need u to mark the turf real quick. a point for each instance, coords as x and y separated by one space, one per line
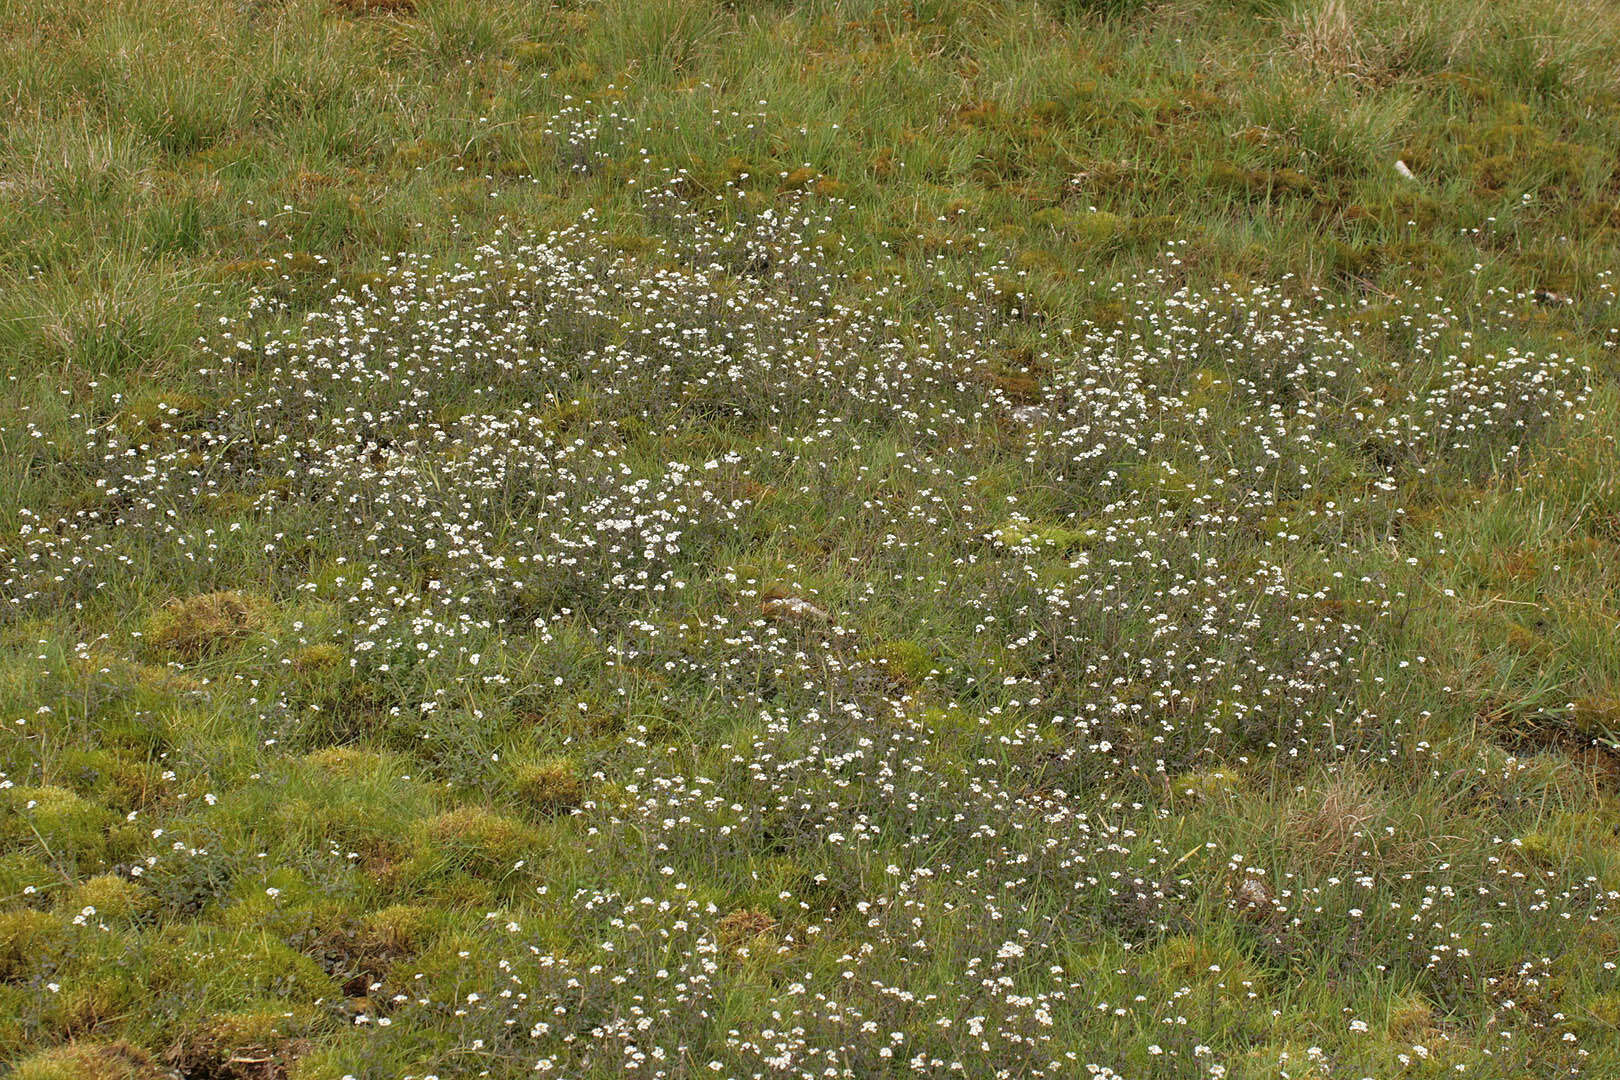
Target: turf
850 538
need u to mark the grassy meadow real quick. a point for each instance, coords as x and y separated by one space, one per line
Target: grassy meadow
809 538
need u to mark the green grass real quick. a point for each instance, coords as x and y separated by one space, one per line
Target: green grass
1088 612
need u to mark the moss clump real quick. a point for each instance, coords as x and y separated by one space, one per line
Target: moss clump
1565 838
1206 786
1037 260
906 663
1093 229
359 282
110 896
1597 717
245 270
317 659
798 177
1411 1019
90 1061
552 786
1176 486
196 626
375 7
1062 539
66 825
1019 388
26 938
348 761
117 781
1524 639
1260 183
1198 960
479 837
157 412
1604 1009
20 870
396 930
1209 389
743 928
210 968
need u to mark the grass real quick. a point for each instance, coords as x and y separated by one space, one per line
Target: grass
837 538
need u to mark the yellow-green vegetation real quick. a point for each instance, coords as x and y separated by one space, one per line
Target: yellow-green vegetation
550 786
90 1061
788 538
477 837
196 625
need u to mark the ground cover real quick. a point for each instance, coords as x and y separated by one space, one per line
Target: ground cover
820 539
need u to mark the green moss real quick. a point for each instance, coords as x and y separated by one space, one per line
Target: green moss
744 930
1198 960
20 871
1354 261
1260 183
113 779
1596 717
1209 389
478 837
906 663
1178 488
212 970
113 898
322 658
1566 839
400 929
1604 1011
1041 261
1057 539
29 938
90 1061
1411 1019
55 821
551 786
350 761
1106 313
154 412
356 799
194 627
1198 787
1521 637
249 270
